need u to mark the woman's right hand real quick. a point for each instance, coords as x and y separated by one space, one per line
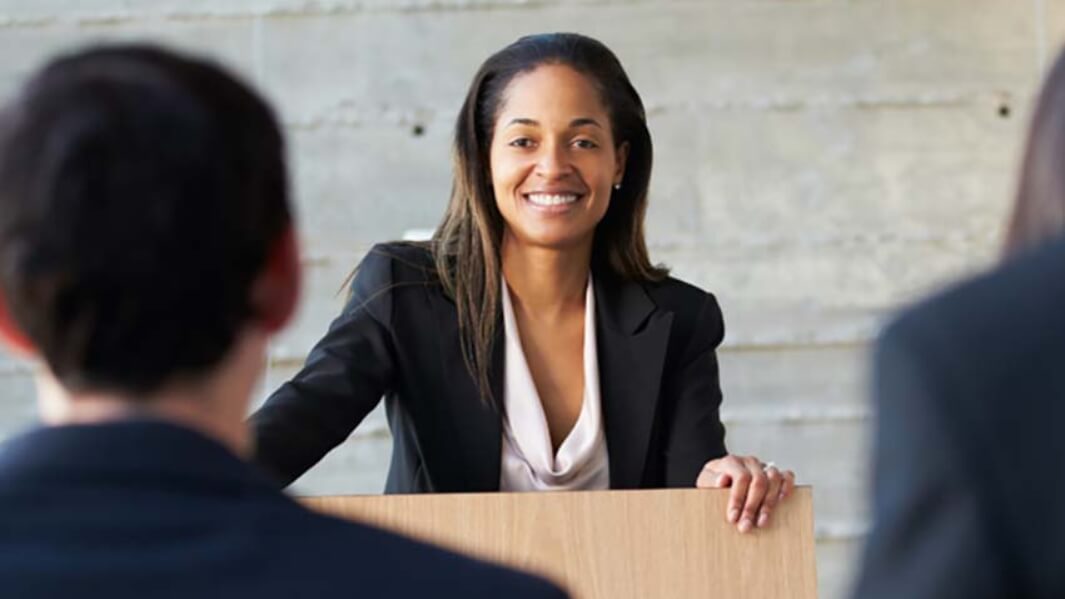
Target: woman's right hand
756 488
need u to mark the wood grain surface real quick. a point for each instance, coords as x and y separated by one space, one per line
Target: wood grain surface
611 544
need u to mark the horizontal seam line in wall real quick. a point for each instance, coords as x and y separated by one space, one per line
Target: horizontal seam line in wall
797 416
356 119
308 9
841 531
296 10
775 346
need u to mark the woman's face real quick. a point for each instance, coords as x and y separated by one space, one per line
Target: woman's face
553 158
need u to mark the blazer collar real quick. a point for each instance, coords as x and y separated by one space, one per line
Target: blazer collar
622 304
633 335
133 453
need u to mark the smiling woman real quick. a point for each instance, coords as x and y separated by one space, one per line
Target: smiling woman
532 344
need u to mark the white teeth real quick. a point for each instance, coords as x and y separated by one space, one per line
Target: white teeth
551 199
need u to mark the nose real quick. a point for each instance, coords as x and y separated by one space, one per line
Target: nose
553 161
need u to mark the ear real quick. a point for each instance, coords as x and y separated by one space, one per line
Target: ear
621 157
276 290
12 335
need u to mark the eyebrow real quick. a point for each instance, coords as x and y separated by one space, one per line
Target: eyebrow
578 122
581 122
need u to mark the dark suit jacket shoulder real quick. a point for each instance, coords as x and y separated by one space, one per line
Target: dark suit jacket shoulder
398 338
391 272
968 390
147 509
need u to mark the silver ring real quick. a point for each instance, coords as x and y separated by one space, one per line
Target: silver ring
766 466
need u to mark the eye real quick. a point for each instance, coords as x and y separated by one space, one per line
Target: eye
521 142
585 144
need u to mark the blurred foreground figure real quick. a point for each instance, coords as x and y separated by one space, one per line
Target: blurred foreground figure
970 391
146 256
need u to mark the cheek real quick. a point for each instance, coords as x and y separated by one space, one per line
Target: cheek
505 173
601 176
599 167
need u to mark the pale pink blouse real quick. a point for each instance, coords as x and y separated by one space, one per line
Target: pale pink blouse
528 462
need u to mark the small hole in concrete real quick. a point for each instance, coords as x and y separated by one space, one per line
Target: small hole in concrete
418 130
1004 111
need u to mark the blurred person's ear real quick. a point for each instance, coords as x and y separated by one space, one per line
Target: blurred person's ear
11 335
276 291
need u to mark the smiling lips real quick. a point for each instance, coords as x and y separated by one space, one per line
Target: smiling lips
552 200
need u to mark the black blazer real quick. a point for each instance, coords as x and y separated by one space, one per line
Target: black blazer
970 454
147 509
398 337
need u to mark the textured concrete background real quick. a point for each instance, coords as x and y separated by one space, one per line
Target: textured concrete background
818 163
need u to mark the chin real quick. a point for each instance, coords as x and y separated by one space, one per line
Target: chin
557 240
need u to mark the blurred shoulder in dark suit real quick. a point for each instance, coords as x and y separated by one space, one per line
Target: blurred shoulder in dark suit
969 389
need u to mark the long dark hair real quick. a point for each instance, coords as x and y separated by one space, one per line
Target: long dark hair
466 245
1039 209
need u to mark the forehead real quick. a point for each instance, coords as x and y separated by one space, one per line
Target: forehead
551 92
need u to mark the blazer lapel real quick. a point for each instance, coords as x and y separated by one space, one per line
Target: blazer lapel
632 340
473 438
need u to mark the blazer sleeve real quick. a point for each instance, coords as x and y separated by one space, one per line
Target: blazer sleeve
695 434
928 538
345 375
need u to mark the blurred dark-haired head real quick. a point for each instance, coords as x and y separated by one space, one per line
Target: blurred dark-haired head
1039 210
141 193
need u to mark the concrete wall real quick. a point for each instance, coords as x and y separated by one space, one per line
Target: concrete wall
818 163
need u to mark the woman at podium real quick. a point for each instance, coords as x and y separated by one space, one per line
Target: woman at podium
531 344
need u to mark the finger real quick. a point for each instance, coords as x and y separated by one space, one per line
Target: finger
755 494
772 495
711 478
788 485
739 478
738 496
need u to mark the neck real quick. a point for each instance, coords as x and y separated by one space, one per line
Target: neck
214 404
546 280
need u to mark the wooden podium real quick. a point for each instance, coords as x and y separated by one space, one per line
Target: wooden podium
611 544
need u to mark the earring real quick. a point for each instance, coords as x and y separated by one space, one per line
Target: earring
617 186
